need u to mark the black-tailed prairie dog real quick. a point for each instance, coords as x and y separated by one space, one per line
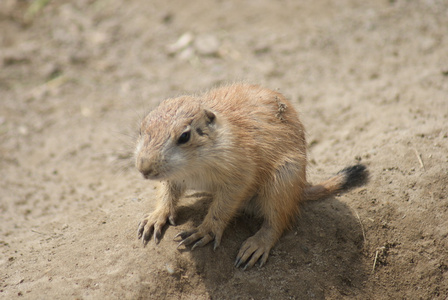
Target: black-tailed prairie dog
245 145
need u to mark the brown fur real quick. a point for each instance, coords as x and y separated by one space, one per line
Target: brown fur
246 146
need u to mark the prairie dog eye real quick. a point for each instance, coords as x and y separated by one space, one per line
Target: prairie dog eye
184 137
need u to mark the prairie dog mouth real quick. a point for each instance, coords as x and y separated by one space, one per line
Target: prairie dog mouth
151 176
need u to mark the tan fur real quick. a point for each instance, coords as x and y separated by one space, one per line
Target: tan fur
247 147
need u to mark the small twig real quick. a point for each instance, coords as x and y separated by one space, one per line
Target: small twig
32 230
374 261
362 227
51 235
419 157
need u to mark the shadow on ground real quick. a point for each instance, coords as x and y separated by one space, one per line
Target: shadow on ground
320 257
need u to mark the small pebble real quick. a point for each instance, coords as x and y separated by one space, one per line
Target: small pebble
207 44
23 130
170 268
183 42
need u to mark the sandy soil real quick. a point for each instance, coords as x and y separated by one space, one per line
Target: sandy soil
370 79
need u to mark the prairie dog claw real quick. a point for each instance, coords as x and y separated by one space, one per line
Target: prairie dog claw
152 224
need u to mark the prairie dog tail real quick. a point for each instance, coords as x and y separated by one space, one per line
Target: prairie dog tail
345 179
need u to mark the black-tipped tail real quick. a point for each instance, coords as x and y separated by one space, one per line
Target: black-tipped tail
354 176
344 180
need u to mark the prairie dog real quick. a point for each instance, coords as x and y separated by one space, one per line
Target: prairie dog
246 146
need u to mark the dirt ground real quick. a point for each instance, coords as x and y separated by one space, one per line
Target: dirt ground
370 79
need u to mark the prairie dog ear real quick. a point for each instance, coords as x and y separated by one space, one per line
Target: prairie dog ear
210 116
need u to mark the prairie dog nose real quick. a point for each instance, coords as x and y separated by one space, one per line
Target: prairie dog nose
144 166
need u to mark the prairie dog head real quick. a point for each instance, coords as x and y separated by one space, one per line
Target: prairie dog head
173 137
